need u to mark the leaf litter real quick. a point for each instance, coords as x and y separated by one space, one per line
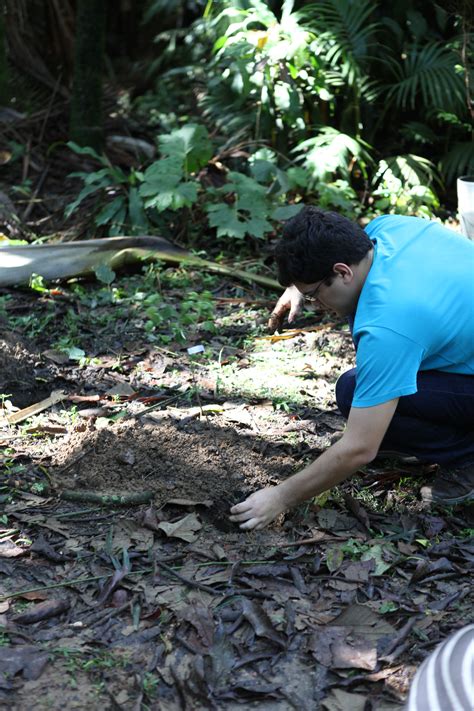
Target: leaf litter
166 605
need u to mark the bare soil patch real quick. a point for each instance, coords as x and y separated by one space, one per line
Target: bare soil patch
167 605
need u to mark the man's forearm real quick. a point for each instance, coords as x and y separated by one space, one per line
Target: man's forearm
359 445
332 467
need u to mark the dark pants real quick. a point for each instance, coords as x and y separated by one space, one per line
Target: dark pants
436 424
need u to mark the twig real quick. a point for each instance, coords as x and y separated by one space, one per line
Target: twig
64 584
74 461
157 405
55 397
293 332
399 638
32 199
49 108
308 541
71 514
93 497
187 581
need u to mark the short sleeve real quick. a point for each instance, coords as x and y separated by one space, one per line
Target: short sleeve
387 366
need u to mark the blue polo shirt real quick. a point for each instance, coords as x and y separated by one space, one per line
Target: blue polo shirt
416 308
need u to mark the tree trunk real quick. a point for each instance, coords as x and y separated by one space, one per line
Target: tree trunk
3 57
86 109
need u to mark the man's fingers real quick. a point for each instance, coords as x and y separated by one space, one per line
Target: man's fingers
275 322
252 523
241 508
294 312
241 517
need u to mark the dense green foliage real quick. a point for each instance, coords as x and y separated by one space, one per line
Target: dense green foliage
3 57
357 106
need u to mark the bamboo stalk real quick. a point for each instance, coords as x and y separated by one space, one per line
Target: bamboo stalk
93 497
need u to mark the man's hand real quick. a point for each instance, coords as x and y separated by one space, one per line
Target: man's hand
259 509
359 444
291 300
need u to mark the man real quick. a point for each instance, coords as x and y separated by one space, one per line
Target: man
408 285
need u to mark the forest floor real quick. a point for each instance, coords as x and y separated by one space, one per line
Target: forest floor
116 604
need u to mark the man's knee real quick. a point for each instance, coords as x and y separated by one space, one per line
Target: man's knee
345 387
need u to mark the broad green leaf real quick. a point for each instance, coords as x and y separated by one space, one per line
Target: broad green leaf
175 197
104 274
117 225
376 553
136 211
263 170
331 151
231 222
190 143
334 558
110 210
86 150
164 188
74 353
226 219
284 212
87 190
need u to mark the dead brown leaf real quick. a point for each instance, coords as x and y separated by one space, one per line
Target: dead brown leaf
185 528
8 549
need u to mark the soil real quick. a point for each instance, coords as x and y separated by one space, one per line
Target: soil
200 462
167 605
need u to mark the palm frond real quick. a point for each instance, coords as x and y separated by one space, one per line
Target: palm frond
331 152
429 73
418 132
411 170
459 161
344 24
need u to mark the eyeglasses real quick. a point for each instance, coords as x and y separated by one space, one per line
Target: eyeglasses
312 296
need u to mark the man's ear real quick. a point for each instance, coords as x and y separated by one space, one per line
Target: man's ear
344 271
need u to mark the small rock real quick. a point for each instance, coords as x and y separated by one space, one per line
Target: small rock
126 457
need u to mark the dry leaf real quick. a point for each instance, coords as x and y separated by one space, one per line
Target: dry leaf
8 549
185 528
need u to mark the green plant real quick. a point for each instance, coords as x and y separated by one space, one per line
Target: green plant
332 154
429 74
150 684
339 195
243 210
169 182
263 66
118 203
403 186
37 284
347 40
168 322
354 548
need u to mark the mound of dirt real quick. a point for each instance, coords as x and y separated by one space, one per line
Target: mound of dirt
204 462
19 371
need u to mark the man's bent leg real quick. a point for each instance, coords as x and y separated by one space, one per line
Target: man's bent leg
436 424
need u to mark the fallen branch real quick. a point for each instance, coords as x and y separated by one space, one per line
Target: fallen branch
55 397
93 497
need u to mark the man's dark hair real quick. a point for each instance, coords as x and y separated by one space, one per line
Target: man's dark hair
313 241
